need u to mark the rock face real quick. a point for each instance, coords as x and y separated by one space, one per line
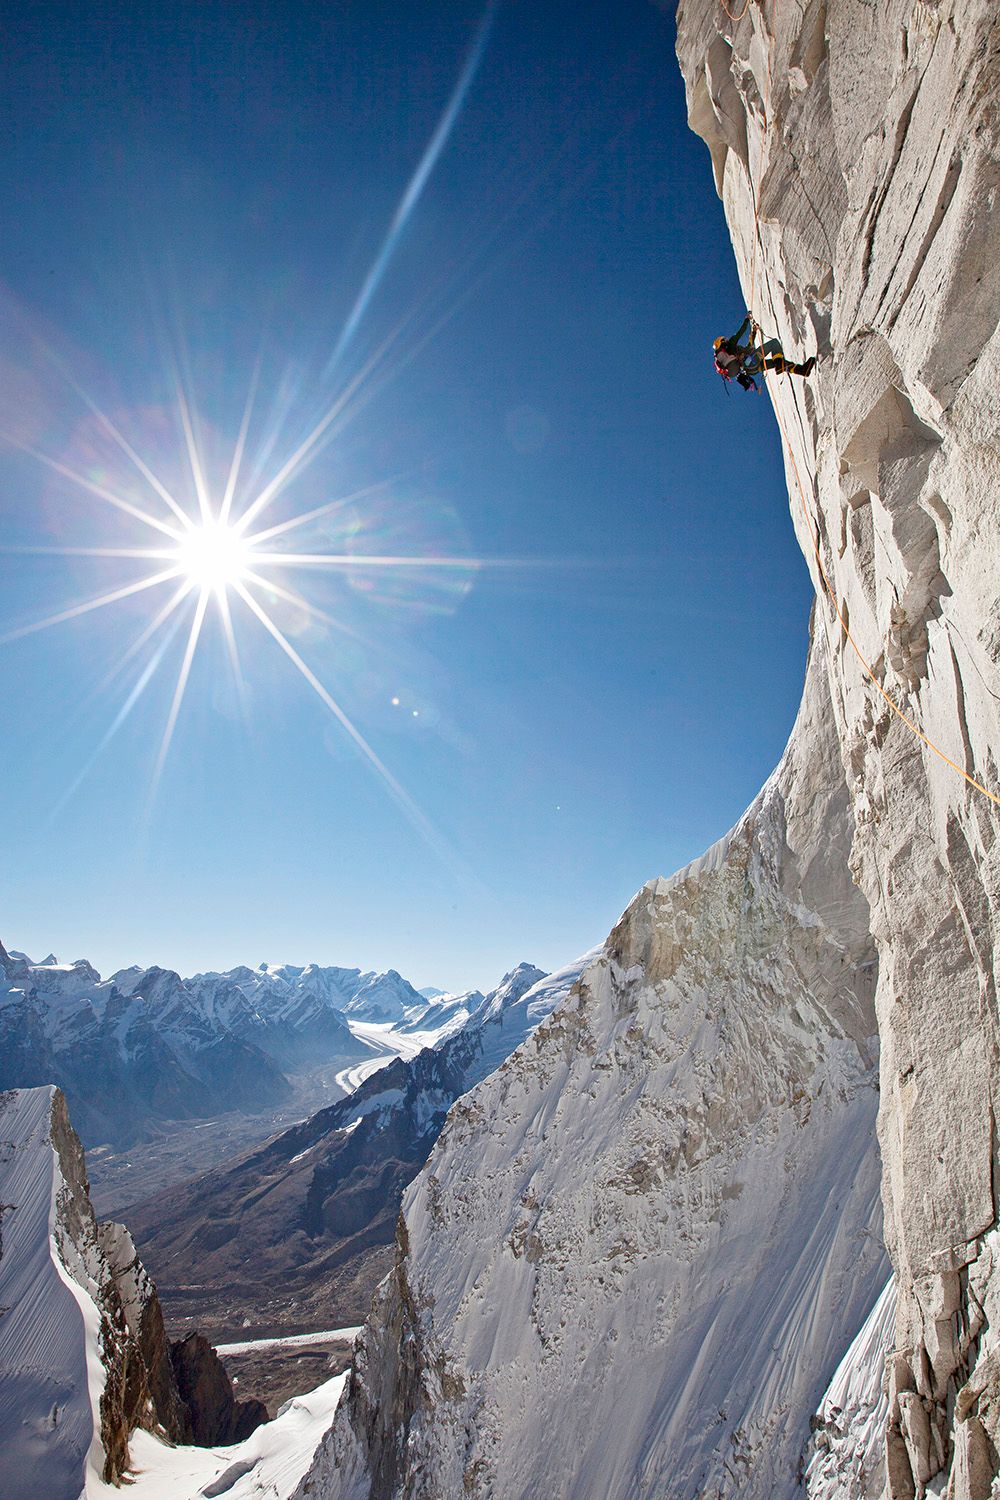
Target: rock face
855 146
297 1235
207 1392
869 135
640 1248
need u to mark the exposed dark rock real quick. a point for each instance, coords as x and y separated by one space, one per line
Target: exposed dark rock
215 1416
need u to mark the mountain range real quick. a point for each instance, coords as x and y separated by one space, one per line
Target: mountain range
146 1048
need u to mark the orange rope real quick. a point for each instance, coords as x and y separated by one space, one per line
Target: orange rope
869 671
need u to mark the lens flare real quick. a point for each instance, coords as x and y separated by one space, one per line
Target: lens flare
189 506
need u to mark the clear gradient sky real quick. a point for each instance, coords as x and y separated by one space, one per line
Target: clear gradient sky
191 189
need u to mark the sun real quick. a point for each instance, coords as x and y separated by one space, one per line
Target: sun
214 556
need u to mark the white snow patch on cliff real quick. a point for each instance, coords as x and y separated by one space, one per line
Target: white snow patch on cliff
848 1461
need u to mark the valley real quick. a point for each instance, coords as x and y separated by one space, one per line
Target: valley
181 1149
295 1235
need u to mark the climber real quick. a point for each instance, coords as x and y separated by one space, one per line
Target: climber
741 362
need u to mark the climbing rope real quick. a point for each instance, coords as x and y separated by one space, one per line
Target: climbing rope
810 525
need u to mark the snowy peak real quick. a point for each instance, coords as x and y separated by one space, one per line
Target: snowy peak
298 994
384 997
129 1050
278 991
444 1014
510 990
148 1045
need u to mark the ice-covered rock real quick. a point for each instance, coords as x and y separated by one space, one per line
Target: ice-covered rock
640 1248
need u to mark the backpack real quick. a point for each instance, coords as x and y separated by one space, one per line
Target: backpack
726 362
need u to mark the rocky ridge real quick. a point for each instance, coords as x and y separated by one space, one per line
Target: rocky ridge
85 1357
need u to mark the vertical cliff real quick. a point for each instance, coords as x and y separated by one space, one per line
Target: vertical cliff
855 148
642 1249
118 1321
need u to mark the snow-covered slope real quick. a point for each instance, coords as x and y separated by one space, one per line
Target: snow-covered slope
444 1014
265 1466
51 1380
509 1014
848 1457
84 1357
653 1231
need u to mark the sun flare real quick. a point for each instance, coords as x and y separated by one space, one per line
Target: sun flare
214 556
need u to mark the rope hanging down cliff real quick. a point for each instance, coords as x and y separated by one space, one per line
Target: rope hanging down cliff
813 527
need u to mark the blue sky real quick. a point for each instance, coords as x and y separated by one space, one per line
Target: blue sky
194 189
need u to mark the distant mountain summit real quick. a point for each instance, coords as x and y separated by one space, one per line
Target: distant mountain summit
385 998
129 1050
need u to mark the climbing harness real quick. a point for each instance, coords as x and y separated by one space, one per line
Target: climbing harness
811 528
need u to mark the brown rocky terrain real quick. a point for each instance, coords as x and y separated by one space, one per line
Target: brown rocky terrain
276 1372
